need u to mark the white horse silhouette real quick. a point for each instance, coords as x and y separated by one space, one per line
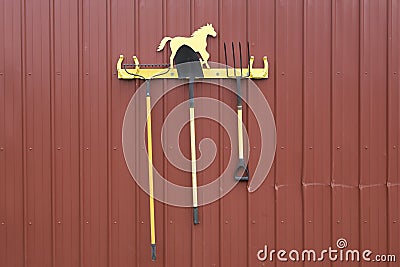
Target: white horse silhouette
197 41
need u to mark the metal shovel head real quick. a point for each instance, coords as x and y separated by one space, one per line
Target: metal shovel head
188 63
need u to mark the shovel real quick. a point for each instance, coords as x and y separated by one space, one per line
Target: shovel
189 67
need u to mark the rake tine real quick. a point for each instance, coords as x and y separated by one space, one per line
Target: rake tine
240 53
248 55
226 60
234 60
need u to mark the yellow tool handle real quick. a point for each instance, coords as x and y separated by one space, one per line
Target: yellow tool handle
150 166
240 132
193 157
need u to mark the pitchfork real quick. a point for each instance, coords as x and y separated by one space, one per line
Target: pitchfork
241 172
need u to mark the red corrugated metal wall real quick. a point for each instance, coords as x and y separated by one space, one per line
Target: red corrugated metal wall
67 198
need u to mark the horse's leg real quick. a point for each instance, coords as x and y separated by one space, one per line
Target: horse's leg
173 53
202 61
171 58
205 56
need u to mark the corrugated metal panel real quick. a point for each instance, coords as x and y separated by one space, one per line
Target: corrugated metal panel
11 145
345 123
289 121
67 198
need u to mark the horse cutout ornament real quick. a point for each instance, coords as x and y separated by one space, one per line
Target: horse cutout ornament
197 42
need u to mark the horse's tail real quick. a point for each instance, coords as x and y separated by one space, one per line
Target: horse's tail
163 42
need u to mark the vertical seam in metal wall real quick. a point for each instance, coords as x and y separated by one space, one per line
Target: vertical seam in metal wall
192 14
165 164
137 189
220 132
109 124
275 120
388 16
80 125
361 49
24 156
332 71
52 132
192 226
303 115
360 34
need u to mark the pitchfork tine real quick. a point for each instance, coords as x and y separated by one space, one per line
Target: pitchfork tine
240 53
226 60
248 55
234 60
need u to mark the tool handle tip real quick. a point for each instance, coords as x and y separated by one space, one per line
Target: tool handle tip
196 215
153 252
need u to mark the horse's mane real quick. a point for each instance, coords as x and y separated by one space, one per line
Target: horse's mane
198 31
